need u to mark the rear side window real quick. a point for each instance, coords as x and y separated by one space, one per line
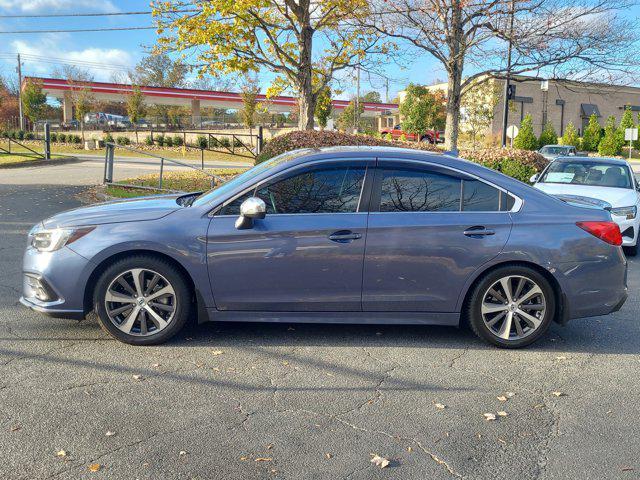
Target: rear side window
418 191
477 196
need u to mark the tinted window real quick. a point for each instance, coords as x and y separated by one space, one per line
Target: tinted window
334 190
418 191
479 197
233 207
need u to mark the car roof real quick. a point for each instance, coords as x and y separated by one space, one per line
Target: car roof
605 160
559 146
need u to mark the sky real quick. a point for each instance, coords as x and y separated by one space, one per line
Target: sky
104 53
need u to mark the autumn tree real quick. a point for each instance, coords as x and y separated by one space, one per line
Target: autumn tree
33 100
324 107
348 119
82 100
9 108
135 107
422 110
579 39
249 94
302 42
478 106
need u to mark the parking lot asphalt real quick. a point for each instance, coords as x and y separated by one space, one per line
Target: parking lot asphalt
245 401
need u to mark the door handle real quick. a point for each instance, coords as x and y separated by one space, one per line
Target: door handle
478 231
344 236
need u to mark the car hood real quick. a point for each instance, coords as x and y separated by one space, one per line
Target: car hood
133 210
616 197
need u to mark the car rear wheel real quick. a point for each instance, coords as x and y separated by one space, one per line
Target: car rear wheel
142 300
632 250
511 307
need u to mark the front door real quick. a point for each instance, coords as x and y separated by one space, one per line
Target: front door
429 230
305 255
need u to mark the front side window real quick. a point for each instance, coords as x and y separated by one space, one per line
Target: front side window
418 191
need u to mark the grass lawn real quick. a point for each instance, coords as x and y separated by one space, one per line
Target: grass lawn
11 160
177 154
191 181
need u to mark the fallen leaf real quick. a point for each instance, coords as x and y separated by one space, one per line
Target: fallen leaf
182 453
510 394
263 459
558 394
137 377
15 428
95 467
627 469
409 449
110 433
61 453
502 413
561 357
328 455
379 461
244 459
270 446
502 398
440 406
502 441
155 365
217 352
489 416
291 329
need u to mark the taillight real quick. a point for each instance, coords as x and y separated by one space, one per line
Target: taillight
606 231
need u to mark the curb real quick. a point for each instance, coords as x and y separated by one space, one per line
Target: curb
42 163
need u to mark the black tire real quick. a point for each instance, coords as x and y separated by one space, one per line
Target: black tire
474 306
632 250
182 299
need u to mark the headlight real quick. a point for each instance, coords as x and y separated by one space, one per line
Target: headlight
629 212
49 240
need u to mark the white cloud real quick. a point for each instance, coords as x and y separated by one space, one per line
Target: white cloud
49 49
44 6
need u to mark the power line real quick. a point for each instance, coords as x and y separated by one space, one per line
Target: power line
77 30
105 14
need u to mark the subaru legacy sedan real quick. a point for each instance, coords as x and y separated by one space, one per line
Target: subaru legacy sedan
337 235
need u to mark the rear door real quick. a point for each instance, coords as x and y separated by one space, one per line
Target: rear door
429 229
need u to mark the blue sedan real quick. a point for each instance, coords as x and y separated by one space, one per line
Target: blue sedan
338 235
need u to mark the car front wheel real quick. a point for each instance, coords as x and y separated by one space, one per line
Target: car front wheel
511 307
142 300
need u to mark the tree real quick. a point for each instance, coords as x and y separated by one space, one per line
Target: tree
250 90
571 136
135 107
281 36
33 100
421 110
478 108
81 99
589 39
610 144
548 135
9 108
324 107
625 122
347 119
526 139
372 97
592 134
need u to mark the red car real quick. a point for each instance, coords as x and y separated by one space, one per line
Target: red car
431 136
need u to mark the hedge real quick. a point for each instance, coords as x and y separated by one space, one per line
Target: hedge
519 164
314 139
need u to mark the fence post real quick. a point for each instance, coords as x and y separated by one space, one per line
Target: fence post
108 163
47 141
259 141
161 171
202 157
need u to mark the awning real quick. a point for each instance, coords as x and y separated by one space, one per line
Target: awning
589 109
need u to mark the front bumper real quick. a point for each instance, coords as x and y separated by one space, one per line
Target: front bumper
54 282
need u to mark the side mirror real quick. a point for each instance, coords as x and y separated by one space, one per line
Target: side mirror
252 208
534 178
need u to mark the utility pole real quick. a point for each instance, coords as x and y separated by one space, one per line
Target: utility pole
507 87
19 70
386 90
356 116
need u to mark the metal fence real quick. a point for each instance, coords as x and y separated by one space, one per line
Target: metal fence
15 146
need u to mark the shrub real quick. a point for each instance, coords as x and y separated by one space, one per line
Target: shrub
20 135
570 136
148 140
160 140
314 139
519 164
62 137
526 139
237 142
201 141
592 134
225 142
168 141
122 140
29 136
388 137
548 135
610 145
53 136
178 141
108 138
76 139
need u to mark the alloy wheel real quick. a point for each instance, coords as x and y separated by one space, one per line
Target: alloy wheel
513 307
140 302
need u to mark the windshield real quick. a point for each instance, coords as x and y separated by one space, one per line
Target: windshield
555 150
588 173
229 186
